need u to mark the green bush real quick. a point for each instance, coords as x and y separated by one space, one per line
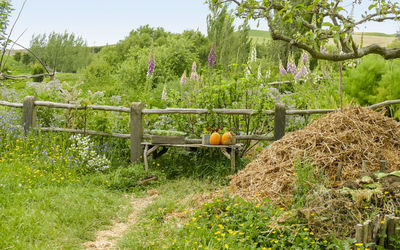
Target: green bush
362 82
37 69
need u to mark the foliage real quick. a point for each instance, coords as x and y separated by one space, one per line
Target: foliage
62 52
324 20
36 70
18 56
5 10
231 47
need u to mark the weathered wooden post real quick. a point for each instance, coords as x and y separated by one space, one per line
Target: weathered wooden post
29 113
280 121
136 131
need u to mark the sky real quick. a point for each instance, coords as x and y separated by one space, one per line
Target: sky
102 22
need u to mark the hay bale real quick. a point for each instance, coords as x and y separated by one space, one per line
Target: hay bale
346 137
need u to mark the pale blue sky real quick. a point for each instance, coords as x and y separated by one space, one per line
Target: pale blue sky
102 22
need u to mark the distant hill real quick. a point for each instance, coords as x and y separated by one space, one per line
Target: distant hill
259 36
382 39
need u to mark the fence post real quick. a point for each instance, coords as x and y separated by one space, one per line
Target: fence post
280 121
29 113
136 131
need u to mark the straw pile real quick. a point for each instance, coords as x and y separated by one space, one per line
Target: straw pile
347 137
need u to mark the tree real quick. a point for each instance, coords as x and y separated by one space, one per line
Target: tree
5 10
329 20
231 46
66 52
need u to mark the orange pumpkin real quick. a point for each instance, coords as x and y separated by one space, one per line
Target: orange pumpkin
215 138
227 138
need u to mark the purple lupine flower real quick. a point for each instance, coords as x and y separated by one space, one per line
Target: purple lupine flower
282 70
304 57
212 56
164 93
183 78
150 68
323 50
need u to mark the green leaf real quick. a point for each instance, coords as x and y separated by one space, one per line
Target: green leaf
327 24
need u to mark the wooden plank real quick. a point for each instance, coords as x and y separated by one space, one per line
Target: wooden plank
391 230
365 232
76 106
89 132
280 121
223 150
195 145
310 111
29 113
385 103
136 129
204 111
233 160
11 104
359 233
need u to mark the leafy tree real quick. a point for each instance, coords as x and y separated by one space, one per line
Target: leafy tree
5 10
329 20
231 46
27 58
65 52
18 56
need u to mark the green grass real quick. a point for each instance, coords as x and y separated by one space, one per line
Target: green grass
376 34
259 36
52 216
159 221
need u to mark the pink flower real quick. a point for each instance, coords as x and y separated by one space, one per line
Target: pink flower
183 78
150 67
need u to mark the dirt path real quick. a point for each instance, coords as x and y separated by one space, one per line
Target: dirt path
106 239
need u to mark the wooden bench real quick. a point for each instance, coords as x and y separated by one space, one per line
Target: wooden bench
150 148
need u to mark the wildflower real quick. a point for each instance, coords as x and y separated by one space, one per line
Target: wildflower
150 67
304 57
291 66
253 54
259 72
282 69
163 97
212 56
183 78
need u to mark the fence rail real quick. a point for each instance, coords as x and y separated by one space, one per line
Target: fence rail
136 111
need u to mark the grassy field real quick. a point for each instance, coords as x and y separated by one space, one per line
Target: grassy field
382 39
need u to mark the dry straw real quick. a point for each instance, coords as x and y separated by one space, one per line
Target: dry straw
347 137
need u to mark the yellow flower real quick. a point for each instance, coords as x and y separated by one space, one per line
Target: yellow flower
305 229
359 244
221 226
226 246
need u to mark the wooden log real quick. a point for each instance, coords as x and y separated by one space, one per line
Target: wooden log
365 232
339 172
254 137
76 106
136 129
233 160
382 166
280 121
359 233
391 231
29 113
11 104
89 132
383 231
310 111
385 103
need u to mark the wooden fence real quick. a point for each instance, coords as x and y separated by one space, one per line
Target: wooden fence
136 111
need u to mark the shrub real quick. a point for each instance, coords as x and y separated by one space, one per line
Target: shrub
37 69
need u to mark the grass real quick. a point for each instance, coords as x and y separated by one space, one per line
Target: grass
52 216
